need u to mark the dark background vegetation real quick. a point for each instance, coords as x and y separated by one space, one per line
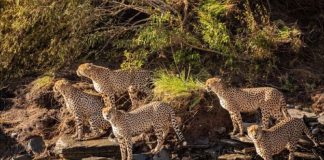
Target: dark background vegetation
249 42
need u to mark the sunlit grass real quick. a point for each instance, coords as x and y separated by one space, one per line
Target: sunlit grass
169 86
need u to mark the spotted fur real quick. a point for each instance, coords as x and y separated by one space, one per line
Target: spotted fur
155 115
116 82
285 134
236 100
84 107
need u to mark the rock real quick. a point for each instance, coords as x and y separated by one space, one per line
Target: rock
140 157
290 106
299 107
214 152
295 113
244 139
315 131
305 155
13 135
202 141
236 143
162 155
321 119
97 158
221 130
68 148
22 157
307 109
36 144
234 157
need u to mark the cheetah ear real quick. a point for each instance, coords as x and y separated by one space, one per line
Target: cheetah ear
218 79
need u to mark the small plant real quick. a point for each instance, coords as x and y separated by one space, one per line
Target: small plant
169 86
41 82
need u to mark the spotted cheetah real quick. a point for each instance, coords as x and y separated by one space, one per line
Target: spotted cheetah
116 82
236 100
125 125
85 108
285 134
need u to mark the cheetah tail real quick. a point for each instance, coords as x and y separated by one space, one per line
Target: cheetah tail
176 128
284 107
310 135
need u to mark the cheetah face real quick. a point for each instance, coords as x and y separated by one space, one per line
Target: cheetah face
60 85
108 113
85 69
254 132
213 83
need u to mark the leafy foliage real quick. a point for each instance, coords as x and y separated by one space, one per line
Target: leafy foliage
202 38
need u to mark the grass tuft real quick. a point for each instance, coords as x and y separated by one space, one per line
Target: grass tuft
171 86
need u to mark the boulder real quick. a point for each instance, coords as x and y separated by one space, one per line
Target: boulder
296 113
36 145
68 148
162 155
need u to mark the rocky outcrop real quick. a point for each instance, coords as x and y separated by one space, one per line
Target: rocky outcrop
68 148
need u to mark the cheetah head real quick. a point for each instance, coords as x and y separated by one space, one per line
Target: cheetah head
254 132
214 83
86 70
60 85
108 113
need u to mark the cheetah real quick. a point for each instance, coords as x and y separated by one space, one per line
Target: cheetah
84 107
285 134
269 100
154 115
116 82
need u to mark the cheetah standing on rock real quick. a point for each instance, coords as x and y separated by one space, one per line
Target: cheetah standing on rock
125 125
116 82
236 100
85 108
285 134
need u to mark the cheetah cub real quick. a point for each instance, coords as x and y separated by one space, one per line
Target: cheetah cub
125 125
116 82
84 107
236 100
285 134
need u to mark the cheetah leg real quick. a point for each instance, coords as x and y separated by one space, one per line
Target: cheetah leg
235 126
310 135
94 126
160 139
109 100
122 146
278 116
291 147
237 117
79 131
267 157
133 97
265 119
129 148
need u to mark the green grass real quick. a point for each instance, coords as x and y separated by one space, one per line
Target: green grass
41 82
170 86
